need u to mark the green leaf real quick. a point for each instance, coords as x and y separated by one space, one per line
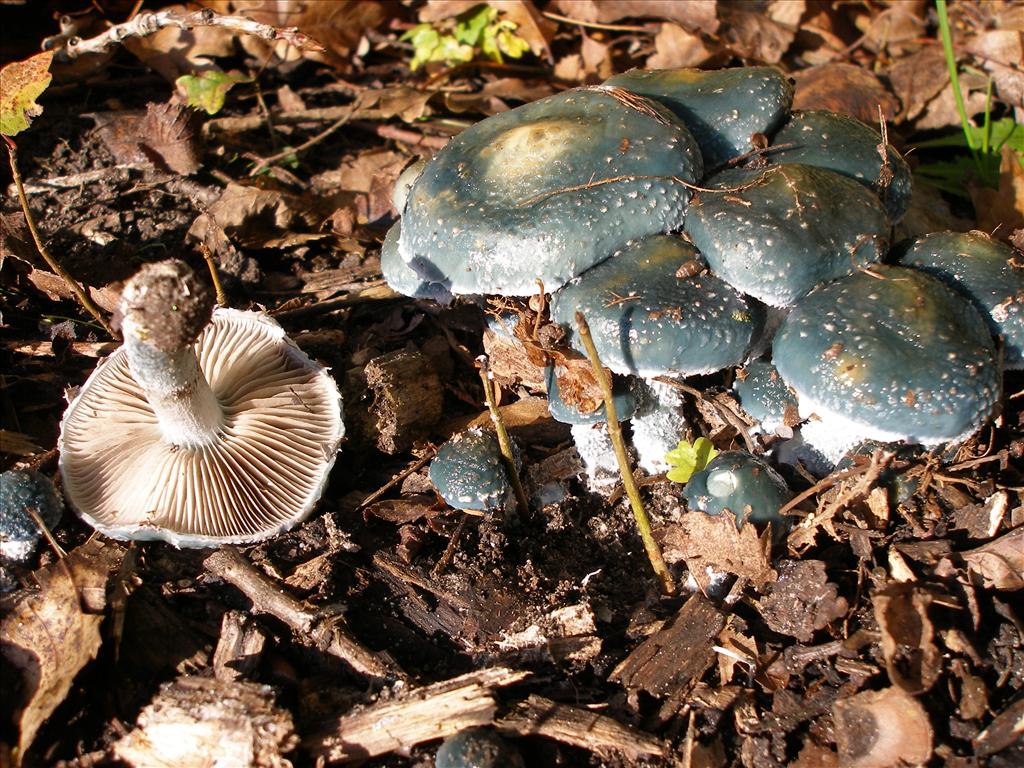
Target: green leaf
511 44
208 90
1004 131
21 83
687 458
425 40
470 26
952 175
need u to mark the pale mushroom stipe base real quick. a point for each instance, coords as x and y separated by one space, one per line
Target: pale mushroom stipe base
230 441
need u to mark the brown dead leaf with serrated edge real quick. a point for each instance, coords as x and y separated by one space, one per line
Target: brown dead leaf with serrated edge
52 630
999 564
844 88
713 540
1002 210
911 658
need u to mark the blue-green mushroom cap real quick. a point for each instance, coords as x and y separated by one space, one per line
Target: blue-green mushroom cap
469 472
894 354
776 233
764 394
845 145
402 277
20 490
743 485
477 748
548 190
646 320
722 108
986 271
623 395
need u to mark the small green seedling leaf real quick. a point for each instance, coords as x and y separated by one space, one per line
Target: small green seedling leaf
207 90
478 29
687 458
470 26
21 83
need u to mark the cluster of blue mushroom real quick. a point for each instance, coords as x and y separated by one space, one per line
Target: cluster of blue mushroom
701 224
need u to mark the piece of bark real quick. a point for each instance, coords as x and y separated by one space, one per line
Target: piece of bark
424 714
204 721
669 662
510 363
600 734
407 398
239 648
312 626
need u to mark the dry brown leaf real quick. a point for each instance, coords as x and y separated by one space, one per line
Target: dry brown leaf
787 12
911 658
338 25
942 111
713 540
438 10
844 88
697 15
999 563
591 65
882 729
754 36
917 79
53 630
895 27
1002 210
15 239
252 218
1000 52
57 288
171 138
676 47
409 104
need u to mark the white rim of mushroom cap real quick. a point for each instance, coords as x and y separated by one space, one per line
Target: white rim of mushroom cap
282 425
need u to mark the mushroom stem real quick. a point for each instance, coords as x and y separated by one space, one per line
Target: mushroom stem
163 310
189 413
658 425
643 523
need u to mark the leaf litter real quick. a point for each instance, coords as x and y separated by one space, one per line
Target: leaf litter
884 632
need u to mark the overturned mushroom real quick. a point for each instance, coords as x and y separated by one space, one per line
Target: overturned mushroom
198 432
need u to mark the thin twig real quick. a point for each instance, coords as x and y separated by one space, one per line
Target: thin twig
503 440
146 24
45 530
630 177
83 298
222 299
596 25
643 523
295 151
